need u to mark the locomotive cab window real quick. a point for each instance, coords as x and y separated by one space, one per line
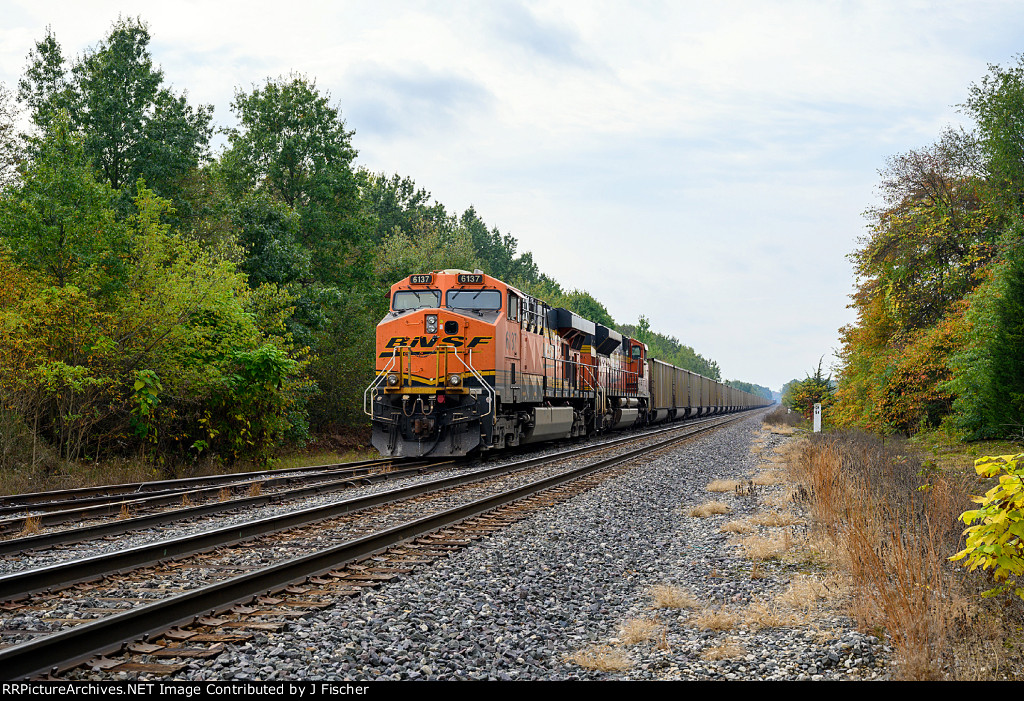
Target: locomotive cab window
513 307
404 300
475 300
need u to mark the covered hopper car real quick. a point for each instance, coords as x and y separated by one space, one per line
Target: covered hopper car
467 363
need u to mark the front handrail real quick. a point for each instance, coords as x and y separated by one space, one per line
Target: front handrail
367 401
400 351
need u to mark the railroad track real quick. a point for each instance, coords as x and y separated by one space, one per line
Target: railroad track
113 492
113 514
49 519
146 629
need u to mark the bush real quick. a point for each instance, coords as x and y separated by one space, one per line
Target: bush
996 542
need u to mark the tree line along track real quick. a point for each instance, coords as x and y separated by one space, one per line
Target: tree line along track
345 566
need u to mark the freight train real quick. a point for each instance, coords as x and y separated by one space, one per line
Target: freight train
468 363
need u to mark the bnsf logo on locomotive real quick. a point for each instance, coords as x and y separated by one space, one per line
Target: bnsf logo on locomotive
432 341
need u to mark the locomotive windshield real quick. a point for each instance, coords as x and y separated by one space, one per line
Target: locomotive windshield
481 300
405 300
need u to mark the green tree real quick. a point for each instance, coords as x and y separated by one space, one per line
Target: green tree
291 155
132 126
397 203
584 304
292 142
45 88
59 221
1006 378
269 233
12 150
997 103
293 145
814 389
116 86
643 330
757 390
927 249
670 350
426 248
927 244
497 252
119 333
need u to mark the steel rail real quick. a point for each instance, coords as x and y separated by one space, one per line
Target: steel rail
127 488
79 644
19 585
118 527
110 507
73 535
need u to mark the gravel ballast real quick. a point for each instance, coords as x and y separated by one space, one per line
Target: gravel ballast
516 605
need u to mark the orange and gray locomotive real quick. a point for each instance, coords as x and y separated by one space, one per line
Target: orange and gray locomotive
466 363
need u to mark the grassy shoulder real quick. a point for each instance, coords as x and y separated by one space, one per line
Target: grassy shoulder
946 452
890 509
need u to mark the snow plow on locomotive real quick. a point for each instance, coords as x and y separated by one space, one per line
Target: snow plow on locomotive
466 362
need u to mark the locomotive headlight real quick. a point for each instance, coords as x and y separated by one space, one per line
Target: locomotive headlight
430 323
454 380
392 379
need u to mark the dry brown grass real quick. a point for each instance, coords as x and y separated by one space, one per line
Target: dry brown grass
224 494
711 508
738 527
255 489
768 477
186 501
638 630
783 499
125 513
892 539
716 619
774 519
760 615
668 596
47 471
30 527
723 486
756 572
805 592
602 658
726 651
384 469
781 418
757 547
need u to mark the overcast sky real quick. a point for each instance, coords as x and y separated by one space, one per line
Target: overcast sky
705 164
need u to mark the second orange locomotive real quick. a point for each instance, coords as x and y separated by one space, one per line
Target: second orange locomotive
466 362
